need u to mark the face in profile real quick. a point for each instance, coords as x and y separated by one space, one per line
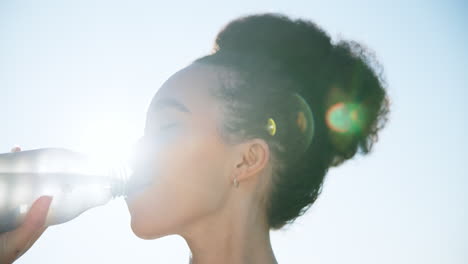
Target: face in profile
184 155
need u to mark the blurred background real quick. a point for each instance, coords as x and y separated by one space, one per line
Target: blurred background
81 74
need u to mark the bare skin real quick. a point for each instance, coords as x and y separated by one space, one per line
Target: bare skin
194 169
15 243
236 234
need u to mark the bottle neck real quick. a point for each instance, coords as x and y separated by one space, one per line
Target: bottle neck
119 176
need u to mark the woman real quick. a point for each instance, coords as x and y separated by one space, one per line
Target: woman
239 142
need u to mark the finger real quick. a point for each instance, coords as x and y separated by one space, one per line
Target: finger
33 240
16 149
20 238
17 254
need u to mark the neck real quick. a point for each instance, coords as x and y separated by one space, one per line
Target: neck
236 234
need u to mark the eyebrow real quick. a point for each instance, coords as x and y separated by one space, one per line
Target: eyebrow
170 102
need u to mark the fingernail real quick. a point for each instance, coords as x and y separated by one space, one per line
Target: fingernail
46 200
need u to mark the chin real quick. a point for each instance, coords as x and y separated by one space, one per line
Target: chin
146 227
145 223
143 231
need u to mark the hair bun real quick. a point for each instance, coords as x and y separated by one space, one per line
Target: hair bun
274 58
343 83
273 36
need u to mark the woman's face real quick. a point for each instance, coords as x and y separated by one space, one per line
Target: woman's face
189 164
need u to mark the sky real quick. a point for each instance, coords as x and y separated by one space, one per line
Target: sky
81 74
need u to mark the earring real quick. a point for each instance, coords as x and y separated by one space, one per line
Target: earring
236 183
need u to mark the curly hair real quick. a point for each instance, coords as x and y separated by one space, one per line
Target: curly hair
273 58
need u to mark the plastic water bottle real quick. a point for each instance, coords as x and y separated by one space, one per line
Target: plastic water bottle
76 182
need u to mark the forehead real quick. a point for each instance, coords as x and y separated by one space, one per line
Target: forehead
191 86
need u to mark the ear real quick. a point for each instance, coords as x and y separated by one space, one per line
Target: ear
252 159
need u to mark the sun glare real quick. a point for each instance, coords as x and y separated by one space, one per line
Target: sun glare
108 141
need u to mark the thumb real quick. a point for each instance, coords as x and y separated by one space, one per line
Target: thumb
22 238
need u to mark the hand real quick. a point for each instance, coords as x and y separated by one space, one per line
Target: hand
15 243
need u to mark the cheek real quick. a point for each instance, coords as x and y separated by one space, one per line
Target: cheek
190 180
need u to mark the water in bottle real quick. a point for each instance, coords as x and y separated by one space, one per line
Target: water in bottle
76 182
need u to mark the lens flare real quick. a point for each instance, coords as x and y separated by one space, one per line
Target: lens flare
345 118
304 120
271 126
301 122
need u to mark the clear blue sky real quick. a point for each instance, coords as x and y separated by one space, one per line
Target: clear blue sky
80 75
